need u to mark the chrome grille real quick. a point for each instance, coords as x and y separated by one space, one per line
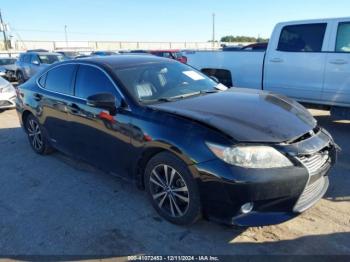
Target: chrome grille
316 164
311 194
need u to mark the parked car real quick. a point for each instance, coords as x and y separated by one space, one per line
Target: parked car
255 47
31 63
191 143
8 68
7 94
231 48
69 54
172 54
139 51
305 60
103 53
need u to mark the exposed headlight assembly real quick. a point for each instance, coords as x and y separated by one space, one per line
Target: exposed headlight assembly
7 89
250 156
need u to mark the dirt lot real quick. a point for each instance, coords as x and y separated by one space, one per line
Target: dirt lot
56 206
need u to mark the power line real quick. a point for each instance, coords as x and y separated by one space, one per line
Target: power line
3 31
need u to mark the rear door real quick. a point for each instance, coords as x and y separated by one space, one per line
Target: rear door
295 62
337 75
55 99
100 138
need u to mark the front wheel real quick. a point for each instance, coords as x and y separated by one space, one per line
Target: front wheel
37 137
172 189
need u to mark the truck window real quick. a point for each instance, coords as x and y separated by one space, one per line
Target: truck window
224 76
343 38
302 38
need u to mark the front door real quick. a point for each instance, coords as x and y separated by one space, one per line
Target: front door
100 138
294 64
337 75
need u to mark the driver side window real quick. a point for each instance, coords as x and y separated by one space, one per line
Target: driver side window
91 81
35 59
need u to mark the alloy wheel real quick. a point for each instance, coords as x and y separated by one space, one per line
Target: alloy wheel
35 135
169 190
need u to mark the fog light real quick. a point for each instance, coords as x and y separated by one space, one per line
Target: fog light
247 207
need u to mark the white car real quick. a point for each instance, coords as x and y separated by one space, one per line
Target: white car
7 94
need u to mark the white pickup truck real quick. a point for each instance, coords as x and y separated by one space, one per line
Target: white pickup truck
306 60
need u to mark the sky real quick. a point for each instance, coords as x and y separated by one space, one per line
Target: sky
158 20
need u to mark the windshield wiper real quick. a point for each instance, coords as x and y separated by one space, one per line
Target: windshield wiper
173 98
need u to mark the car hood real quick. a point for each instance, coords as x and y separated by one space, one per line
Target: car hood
246 115
8 67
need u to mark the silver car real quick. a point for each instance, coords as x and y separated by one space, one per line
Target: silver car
31 63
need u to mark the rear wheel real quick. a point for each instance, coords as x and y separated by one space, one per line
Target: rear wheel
172 189
37 137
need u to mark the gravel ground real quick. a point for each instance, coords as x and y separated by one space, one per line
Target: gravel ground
57 206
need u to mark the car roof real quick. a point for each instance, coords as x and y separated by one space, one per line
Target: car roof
166 50
122 61
40 53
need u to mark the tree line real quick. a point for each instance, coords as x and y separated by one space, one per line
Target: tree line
231 38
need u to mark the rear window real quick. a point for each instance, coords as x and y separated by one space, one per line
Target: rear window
59 79
302 38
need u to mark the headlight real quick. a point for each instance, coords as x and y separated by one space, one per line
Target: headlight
251 156
7 89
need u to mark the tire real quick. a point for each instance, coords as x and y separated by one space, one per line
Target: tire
20 77
37 137
175 196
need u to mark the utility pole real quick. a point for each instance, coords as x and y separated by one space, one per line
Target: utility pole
66 35
3 27
213 40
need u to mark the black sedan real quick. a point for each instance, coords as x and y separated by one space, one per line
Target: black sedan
238 156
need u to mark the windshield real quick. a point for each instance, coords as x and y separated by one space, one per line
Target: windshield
50 59
7 61
165 81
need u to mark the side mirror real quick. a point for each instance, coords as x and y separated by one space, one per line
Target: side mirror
36 62
105 101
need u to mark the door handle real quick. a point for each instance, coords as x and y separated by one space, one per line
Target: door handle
74 108
338 62
276 60
37 97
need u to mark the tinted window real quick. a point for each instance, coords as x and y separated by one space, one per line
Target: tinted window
50 59
42 81
35 58
302 38
91 81
60 79
343 38
7 61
